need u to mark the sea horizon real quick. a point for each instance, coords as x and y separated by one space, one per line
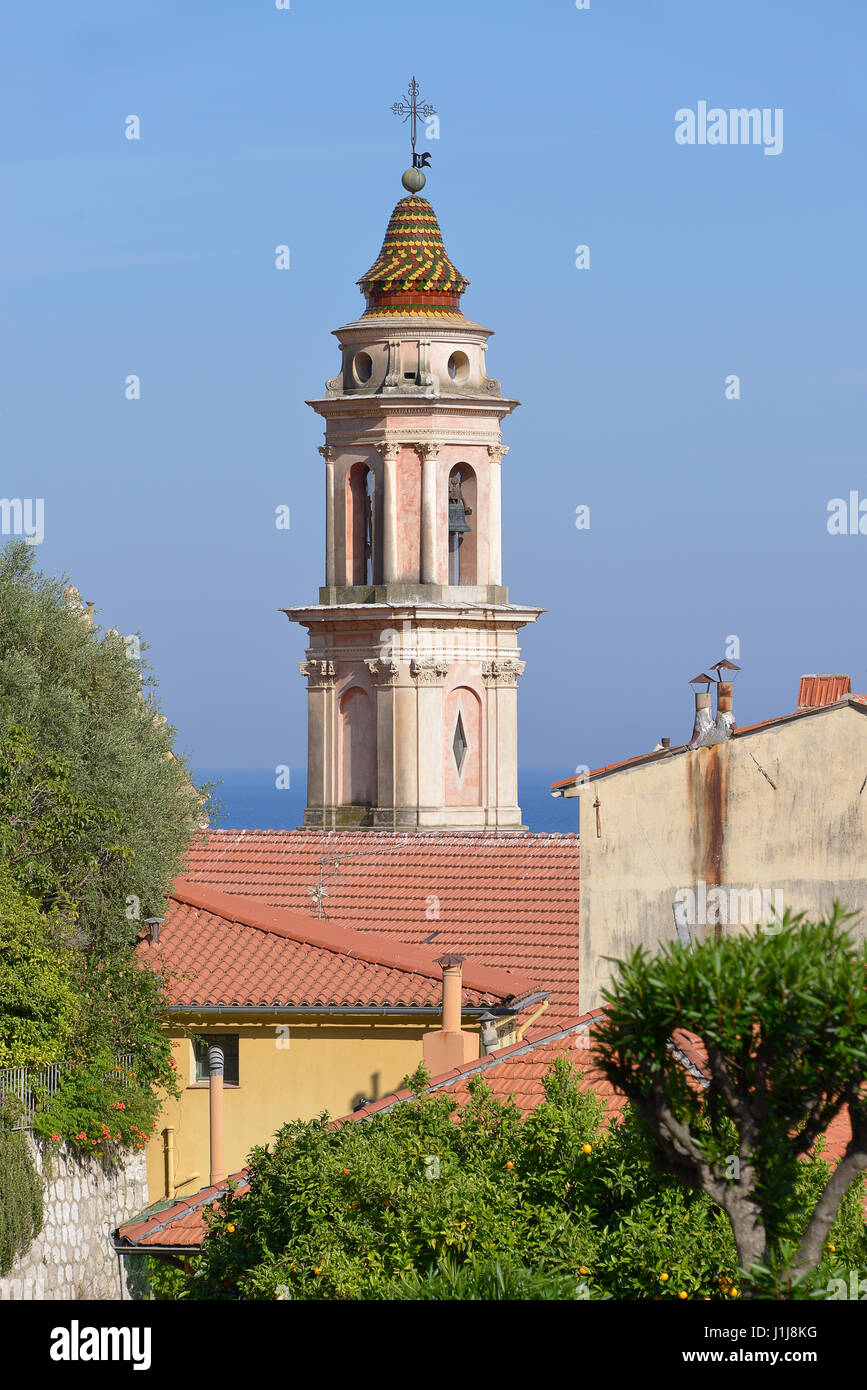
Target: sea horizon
250 799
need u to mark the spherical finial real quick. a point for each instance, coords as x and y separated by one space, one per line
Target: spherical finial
413 180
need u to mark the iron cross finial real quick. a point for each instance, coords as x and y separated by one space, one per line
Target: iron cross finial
410 108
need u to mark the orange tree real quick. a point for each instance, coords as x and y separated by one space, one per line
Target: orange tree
781 1017
426 1202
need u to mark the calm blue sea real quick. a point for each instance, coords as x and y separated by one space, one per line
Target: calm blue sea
250 799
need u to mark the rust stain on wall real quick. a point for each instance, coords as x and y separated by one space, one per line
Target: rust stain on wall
707 772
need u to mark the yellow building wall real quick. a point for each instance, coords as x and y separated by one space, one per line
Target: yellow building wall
321 1065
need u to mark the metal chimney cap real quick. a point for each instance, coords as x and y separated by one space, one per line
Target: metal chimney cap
703 676
446 961
725 665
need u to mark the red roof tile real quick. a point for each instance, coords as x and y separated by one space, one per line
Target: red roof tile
506 901
517 1072
822 690
222 949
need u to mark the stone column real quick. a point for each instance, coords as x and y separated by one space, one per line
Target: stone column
495 515
385 676
429 677
330 553
388 452
428 512
321 771
501 678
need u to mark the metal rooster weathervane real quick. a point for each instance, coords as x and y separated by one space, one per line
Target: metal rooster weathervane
410 107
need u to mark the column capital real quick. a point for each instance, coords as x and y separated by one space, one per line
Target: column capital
319 673
387 449
428 450
328 452
503 672
498 451
383 672
429 671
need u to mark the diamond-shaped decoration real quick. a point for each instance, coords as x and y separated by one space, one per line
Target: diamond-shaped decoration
459 743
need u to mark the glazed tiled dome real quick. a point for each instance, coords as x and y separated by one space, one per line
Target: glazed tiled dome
412 273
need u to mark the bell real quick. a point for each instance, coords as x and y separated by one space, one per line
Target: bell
458 518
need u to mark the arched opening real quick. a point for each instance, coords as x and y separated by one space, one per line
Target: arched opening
357 749
462 534
359 525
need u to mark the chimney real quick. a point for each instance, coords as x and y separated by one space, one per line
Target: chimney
708 731
89 616
488 1036
450 1046
153 925
215 1088
703 717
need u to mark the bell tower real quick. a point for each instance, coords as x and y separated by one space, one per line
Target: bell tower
413 660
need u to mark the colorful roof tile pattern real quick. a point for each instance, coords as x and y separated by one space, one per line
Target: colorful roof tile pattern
412 272
221 949
506 901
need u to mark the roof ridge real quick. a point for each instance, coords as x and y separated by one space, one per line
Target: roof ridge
365 946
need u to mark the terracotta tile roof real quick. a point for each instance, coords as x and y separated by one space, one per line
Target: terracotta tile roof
222 949
506 901
815 691
517 1071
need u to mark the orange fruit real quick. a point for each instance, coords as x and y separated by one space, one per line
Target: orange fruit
663 1277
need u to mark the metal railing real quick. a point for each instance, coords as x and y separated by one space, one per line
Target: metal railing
31 1086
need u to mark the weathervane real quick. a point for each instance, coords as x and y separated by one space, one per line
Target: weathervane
410 108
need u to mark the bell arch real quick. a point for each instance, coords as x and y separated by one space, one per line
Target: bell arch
463 549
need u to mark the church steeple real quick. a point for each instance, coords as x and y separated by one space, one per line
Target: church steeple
413 660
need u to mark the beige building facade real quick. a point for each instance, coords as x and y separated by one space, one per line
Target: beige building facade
691 841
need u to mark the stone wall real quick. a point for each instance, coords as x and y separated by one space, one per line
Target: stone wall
72 1258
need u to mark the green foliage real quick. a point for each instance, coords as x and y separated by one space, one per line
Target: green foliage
94 808
782 1016
553 1205
20 1188
38 1002
96 814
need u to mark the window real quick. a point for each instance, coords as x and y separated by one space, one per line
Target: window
459 366
362 366
459 744
229 1043
461 570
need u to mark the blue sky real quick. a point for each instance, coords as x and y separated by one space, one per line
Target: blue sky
262 126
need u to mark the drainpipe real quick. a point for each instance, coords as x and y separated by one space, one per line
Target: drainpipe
531 1020
169 1156
215 1093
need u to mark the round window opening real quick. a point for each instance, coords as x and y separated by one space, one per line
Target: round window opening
362 366
459 366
